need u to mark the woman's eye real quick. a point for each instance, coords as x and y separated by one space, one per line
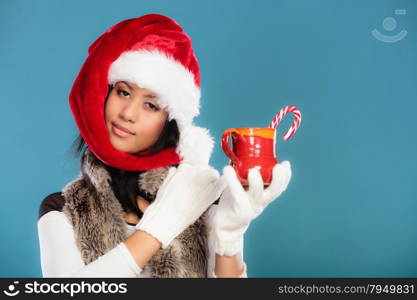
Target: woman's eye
152 106
123 93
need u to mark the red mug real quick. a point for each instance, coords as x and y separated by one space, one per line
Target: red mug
251 147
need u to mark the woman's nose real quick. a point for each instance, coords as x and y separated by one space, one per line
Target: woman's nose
130 112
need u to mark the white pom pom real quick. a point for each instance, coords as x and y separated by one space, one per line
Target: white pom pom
195 145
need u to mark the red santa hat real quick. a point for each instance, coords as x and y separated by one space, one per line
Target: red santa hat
153 52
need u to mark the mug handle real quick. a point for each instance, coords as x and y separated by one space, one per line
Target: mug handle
226 144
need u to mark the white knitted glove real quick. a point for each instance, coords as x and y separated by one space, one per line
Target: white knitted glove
237 207
185 193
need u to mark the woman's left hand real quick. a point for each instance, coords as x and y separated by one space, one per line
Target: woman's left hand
237 207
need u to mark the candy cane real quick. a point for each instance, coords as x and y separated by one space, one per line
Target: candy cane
297 120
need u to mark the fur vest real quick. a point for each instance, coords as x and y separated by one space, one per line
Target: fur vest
99 225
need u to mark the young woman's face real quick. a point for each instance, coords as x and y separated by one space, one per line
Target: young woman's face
135 110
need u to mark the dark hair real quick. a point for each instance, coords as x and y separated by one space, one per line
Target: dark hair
124 183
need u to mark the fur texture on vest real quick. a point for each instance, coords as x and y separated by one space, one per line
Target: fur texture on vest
99 224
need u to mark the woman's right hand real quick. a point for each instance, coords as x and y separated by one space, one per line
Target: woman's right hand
186 192
238 208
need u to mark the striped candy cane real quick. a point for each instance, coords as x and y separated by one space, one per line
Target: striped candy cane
297 120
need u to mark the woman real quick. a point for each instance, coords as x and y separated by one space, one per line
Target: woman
146 202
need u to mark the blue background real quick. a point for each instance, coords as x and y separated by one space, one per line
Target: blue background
350 209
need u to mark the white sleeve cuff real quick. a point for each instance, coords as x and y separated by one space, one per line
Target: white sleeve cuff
243 275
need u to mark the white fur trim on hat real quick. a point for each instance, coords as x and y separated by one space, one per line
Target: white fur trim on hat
172 82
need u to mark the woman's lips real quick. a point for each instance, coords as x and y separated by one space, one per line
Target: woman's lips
119 131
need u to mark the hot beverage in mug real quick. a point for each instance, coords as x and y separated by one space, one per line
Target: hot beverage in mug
251 147
254 147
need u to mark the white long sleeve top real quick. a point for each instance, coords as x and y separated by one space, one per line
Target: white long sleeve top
60 256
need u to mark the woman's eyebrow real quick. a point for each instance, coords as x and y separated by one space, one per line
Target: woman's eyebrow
132 89
128 85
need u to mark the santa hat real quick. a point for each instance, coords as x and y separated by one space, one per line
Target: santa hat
153 52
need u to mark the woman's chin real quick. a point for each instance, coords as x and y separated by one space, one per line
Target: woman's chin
124 148
120 146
